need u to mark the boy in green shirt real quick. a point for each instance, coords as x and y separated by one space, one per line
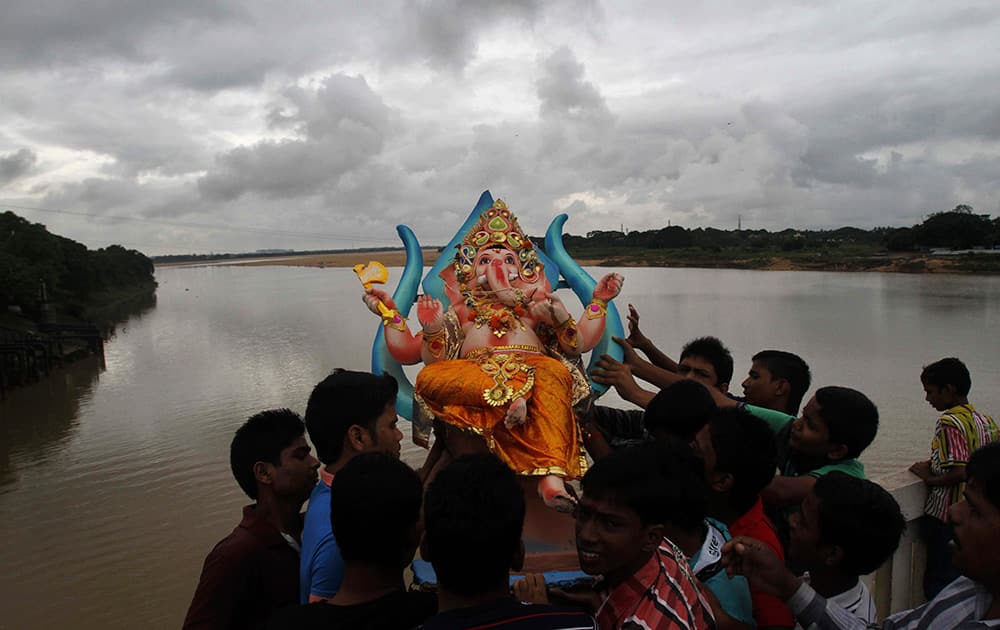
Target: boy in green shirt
836 425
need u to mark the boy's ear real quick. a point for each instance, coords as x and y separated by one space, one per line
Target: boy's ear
357 437
517 562
262 472
837 452
781 387
651 537
723 387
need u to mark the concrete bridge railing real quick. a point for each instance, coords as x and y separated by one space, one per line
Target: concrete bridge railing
898 584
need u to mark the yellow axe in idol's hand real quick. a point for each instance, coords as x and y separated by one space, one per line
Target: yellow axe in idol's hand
374 273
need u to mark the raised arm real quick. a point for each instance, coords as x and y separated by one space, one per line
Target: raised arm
641 368
591 324
641 342
403 346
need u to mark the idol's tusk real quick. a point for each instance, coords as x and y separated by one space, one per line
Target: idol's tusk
512 275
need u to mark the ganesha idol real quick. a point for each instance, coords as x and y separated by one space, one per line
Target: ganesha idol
501 352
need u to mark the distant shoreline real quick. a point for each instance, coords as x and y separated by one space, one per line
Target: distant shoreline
914 263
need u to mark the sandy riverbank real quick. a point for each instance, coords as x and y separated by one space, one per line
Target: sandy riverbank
397 258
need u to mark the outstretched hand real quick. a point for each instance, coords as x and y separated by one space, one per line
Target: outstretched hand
613 373
636 336
756 562
430 313
609 287
631 357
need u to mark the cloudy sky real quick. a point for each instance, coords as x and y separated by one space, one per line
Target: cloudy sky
198 126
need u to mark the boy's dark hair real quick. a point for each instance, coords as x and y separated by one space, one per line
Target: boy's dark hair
850 417
637 479
341 399
712 350
790 367
861 518
744 447
949 371
374 506
473 519
261 439
984 466
681 409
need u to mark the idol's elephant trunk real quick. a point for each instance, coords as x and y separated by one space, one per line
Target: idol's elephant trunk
499 283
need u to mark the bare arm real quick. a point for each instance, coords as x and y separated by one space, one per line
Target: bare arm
619 375
641 342
952 477
402 344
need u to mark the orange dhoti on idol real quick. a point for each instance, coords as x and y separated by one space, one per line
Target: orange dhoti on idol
473 393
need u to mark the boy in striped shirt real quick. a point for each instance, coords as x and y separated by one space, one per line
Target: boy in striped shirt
960 431
645 579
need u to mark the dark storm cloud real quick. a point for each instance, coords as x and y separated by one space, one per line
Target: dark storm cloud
16 164
343 126
347 118
48 33
445 32
565 94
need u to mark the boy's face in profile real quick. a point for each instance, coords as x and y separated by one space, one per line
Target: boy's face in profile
759 387
941 398
804 552
810 435
975 522
386 437
295 476
611 540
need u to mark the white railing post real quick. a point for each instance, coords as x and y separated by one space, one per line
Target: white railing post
898 584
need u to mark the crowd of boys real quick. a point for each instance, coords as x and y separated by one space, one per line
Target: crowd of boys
701 510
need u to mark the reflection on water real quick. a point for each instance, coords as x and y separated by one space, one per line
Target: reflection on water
115 484
46 414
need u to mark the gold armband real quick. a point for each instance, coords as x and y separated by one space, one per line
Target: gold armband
566 332
392 319
435 342
596 308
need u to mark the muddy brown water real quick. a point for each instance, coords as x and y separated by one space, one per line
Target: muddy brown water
114 482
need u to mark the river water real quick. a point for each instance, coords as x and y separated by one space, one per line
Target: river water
114 481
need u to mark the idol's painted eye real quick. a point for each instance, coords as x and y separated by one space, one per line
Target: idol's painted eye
509 260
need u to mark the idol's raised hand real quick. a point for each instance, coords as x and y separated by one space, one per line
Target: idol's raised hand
609 287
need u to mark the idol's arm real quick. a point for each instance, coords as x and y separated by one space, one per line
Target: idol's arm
591 324
402 345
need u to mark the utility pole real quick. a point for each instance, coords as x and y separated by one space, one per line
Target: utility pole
739 222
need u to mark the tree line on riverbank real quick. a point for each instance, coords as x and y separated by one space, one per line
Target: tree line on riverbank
843 248
74 277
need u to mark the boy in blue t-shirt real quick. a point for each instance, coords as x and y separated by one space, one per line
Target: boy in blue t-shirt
349 413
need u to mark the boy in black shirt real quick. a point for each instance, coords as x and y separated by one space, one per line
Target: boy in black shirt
375 505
